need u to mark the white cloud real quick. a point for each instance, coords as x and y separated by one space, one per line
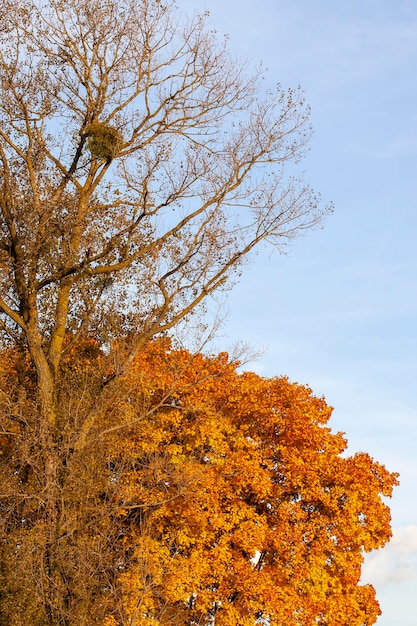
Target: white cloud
397 562
404 541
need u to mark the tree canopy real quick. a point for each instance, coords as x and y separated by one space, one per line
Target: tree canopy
204 496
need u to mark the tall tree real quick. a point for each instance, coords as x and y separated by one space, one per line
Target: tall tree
139 167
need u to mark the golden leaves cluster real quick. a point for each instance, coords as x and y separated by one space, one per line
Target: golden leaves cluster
238 505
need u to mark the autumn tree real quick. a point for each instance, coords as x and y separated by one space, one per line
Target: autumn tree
204 496
140 165
240 506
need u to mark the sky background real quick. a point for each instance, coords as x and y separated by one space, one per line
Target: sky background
339 311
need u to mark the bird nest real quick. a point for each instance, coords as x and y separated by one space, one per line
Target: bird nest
104 141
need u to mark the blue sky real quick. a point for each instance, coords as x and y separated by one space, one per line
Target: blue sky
339 312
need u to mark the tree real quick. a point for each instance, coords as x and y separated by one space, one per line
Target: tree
253 515
139 168
205 496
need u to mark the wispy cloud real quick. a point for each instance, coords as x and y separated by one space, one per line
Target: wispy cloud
397 562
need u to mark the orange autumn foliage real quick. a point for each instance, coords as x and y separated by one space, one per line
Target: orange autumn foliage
193 495
239 507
